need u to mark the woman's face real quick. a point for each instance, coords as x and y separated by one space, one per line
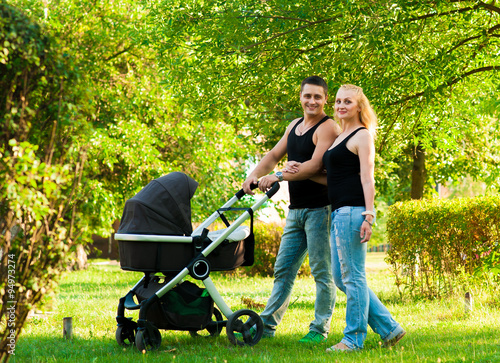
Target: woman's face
346 104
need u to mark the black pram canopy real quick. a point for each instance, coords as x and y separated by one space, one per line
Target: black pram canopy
161 207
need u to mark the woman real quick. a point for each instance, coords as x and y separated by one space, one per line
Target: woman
349 164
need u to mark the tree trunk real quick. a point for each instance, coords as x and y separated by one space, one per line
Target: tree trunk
81 259
418 172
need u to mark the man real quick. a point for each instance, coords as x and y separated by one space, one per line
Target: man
308 222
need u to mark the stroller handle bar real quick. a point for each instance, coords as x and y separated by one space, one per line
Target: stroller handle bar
274 188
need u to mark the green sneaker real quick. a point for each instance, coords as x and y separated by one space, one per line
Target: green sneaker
313 338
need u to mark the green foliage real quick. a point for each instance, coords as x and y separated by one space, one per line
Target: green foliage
86 123
379 236
267 243
142 130
40 165
437 245
429 68
138 130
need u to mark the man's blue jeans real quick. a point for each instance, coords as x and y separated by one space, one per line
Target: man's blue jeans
348 262
305 230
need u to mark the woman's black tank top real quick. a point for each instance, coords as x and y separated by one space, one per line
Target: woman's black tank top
343 175
305 193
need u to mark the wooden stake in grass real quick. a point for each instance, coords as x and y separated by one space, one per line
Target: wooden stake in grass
468 303
68 328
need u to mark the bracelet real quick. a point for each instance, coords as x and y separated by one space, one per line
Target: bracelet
371 224
368 213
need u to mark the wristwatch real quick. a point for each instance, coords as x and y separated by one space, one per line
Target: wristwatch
279 175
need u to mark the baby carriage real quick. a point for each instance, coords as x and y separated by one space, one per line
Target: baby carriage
156 237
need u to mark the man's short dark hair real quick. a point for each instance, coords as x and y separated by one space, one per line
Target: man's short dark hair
317 81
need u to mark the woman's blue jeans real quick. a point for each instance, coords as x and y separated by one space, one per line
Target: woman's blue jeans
306 230
348 263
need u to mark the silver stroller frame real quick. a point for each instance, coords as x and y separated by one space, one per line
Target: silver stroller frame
243 327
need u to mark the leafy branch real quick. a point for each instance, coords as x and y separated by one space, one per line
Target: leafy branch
490 32
117 54
483 5
491 7
448 83
275 17
246 48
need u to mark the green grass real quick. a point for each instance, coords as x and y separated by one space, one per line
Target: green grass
438 331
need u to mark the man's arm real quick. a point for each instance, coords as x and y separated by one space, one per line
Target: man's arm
268 162
319 178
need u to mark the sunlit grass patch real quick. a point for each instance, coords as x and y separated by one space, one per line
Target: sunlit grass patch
438 330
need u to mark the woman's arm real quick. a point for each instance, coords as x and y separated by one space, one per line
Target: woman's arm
366 153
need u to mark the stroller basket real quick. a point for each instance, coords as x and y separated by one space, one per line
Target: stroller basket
185 307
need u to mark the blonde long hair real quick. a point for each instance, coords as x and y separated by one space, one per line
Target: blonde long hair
367 116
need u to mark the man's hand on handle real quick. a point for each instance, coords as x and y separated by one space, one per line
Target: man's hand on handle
266 182
248 183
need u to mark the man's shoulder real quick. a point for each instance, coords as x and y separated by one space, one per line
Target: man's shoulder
292 124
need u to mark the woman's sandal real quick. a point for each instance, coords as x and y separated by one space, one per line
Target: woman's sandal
339 347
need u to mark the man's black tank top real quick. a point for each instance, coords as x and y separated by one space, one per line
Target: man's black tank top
343 176
305 193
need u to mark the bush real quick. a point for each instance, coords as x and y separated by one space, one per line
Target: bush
40 167
437 245
267 242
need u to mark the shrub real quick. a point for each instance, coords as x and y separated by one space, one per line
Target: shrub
436 245
267 242
40 167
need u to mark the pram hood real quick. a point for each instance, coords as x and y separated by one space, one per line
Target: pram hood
161 207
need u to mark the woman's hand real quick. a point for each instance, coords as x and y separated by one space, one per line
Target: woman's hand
292 167
366 231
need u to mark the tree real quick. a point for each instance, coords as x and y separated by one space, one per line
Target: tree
141 131
85 124
41 165
422 63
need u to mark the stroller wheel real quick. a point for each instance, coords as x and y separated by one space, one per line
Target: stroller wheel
125 336
148 339
214 328
248 326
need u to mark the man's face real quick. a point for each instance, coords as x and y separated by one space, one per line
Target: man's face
313 99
